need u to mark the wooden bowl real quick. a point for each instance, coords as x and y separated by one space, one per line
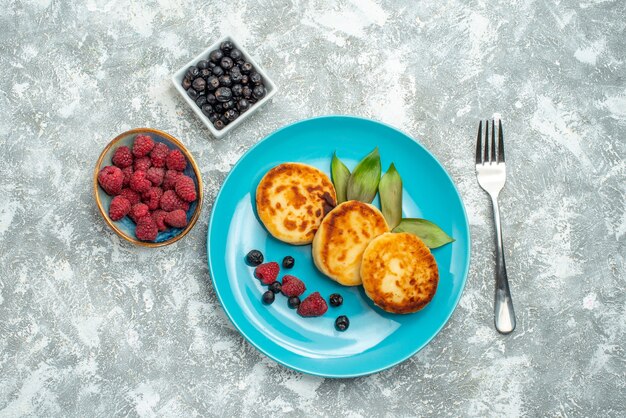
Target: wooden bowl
125 227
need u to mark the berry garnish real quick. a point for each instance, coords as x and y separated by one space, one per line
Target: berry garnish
267 273
313 305
292 286
268 297
336 299
254 257
288 262
293 302
342 323
275 287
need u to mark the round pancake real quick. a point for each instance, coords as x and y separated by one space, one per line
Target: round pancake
291 201
343 236
399 273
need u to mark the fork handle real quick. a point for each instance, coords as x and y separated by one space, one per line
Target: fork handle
504 315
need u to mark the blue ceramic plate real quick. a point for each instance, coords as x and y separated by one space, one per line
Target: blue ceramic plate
376 340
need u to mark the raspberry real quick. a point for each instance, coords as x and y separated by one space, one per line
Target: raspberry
313 305
159 154
143 164
169 180
131 195
110 179
152 197
175 160
185 188
146 229
292 286
119 207
142 146
139 182
170 201
122 157
176 218
127 172
138 211
155 175
159 218
267 273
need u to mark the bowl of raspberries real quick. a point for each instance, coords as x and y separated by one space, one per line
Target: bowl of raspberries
148 187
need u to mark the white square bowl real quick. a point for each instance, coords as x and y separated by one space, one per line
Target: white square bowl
270 87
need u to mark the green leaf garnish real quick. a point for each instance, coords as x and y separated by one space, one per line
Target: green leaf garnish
363 182
340 175
431 234
390 189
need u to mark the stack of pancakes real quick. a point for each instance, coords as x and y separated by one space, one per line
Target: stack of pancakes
352 243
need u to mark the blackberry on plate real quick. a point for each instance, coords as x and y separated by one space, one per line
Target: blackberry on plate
246 67
275 287
268 297
288 262
237 90
293 302
342 323
243 105
336 299
258 92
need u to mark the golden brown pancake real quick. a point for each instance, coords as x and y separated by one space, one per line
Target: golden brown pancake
399 273
292 199
342 237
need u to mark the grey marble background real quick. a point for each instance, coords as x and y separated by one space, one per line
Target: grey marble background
92 326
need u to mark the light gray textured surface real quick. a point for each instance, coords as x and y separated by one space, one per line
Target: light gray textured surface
92 326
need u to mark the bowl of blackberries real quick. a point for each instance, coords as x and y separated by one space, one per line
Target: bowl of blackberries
224 85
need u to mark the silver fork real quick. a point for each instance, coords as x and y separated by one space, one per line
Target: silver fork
491 174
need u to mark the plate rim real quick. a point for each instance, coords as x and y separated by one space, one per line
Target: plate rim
304 369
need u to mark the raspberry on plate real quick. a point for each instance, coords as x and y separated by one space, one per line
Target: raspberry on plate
138 211
170 201
142 146
132 196
143 164
159 218
313 305
152 197
176 218
127 172
110 179
175 160
146 229
185 188
122 157
139 182
158 154
292 286
155 175
267 273
169 180
119 207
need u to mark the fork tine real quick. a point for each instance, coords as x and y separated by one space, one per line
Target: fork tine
479 146
486 159
493 141
500 142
